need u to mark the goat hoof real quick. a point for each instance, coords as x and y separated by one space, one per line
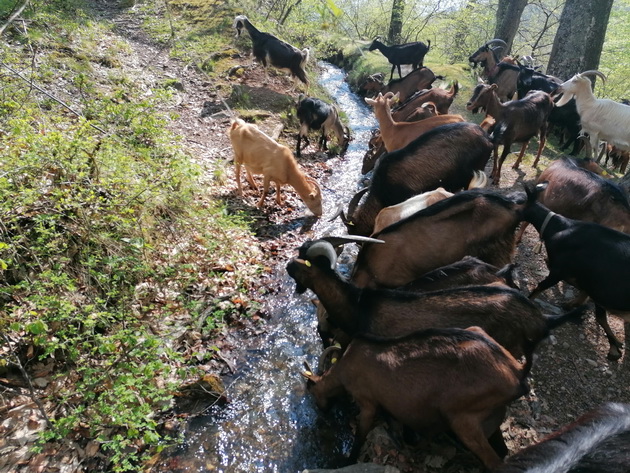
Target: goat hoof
614 354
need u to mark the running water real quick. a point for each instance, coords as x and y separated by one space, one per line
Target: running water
271 423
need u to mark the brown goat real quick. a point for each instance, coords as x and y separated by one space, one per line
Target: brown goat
449 379
416 80
577 193
446 156
262 155
517 121
442 99
476 222
505 313
396 135
503 73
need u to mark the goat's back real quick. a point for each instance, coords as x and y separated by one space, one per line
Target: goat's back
446 156
476 222
581 194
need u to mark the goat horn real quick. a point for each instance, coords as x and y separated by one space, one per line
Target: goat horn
309 371
321 366
497 40
594 73
354 202
341 240
322 248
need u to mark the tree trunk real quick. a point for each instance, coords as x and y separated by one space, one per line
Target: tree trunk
396 23
578 44
508 19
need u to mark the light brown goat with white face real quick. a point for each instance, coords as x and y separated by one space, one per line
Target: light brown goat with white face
397 135
262 155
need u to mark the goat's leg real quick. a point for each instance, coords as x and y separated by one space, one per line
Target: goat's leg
506 151
250 179
545 284
495 162
615 345
365 421
521 232
239 187
468 429
520 155
399 71
601 153
541 146
278 194
265 192
391 76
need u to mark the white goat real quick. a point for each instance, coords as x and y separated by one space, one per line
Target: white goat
262 155
394 213
602 119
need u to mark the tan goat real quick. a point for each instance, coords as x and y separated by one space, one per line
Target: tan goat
397 135
394 213
260 154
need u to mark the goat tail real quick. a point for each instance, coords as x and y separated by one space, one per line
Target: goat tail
236 122
576 314
454 88
306 53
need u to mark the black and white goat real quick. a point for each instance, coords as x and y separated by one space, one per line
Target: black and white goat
315 114
408 53
270 50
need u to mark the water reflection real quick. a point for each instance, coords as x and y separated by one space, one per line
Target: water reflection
271 424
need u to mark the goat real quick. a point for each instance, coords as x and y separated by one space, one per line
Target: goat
580 194
565 118
469 271
270 50
593 258
424 104
487 56
392 214
437 379
599 441
619 158
476 222
315 114
504 313
418 79
262 155
408 53
516 121
396 135
502 73
446 156
602 119
442 98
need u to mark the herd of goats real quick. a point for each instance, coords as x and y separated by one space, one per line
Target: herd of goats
431 306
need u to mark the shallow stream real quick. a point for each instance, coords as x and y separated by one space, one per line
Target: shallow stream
271 424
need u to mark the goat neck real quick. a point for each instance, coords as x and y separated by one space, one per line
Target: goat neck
383 113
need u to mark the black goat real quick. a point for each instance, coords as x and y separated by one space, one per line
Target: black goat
566 118
408 53
270 50
315 114
593 258
599 441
